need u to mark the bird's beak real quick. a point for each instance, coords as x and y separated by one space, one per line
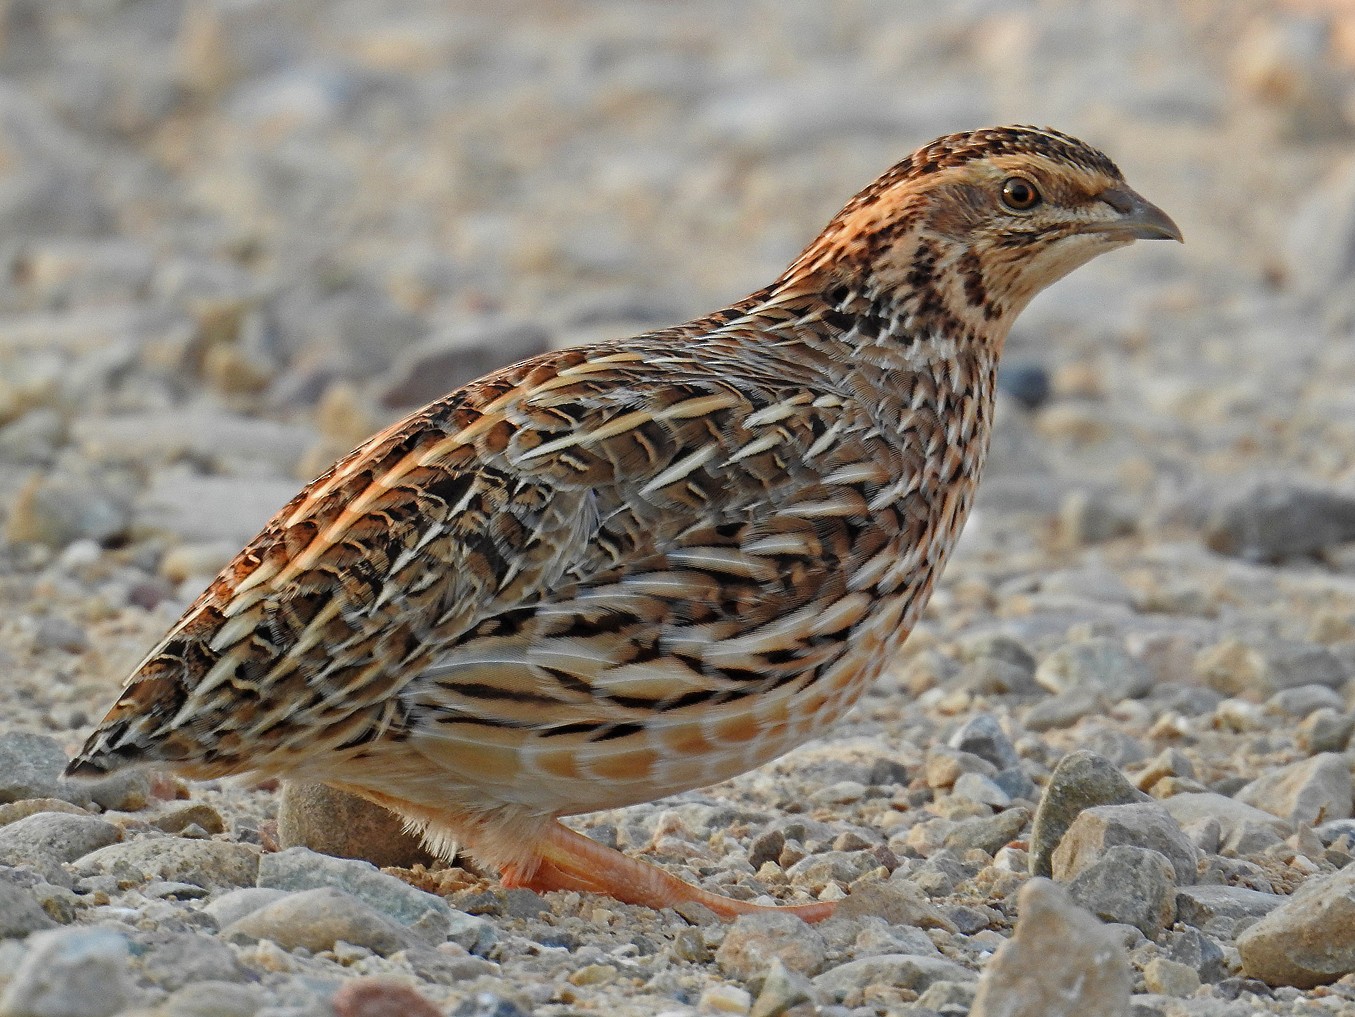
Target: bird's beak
1138 219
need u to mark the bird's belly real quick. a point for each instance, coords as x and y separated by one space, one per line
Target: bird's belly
476 767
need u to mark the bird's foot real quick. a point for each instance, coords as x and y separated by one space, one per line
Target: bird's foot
571 861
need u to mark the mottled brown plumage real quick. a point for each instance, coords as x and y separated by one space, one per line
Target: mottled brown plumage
615 572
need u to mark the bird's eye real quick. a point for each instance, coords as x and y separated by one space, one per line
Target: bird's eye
1019 194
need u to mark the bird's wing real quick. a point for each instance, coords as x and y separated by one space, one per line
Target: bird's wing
598 478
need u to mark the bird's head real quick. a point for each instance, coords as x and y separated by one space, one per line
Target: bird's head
973 225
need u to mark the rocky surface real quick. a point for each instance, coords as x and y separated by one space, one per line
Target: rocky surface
237 238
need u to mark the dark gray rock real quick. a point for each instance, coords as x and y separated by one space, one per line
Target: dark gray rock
1309 939
317 919
1101 664
20 913
1326 730
429 369
1261 668
1098 830
1273 519
1223 911
302 869
1130 885
54 837
30 766
988 833
207 863
753 941
903 970
1193 947
981 735
74 972
1080 781
1060 962
1242 828
1310 791
172 960
332 822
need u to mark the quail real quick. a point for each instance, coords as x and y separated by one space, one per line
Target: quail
615 572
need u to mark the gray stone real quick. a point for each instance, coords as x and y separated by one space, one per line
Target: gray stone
303 869
945 766
1167 763
900 970
1080 781
1273 519
1016 783
1191 946
215 999
56 509
1309 939
73 972
1308 792
997 646
30 766
209 509
1098 830
54 837
53 632
206 863
1060 962
1101 664
488 1004
949 997
1320 247
1330 833
981 735
20 913
235 904
1170 978
992 676
429 369
1262 668
875 937
897 902
317 919
782 989
332 822
128 790
815 872
753 941
980 789
1066 708
172 960
1326 730
1129 885
443 968
1223 911
1241 827
1301 700
476 934
1091 517
988 833
207 435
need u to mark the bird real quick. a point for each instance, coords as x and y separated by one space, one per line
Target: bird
615 572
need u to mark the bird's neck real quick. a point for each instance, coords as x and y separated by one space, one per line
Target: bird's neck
935 314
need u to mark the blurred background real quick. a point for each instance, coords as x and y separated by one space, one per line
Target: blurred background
238 236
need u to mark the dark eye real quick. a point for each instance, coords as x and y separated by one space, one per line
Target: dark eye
1019 194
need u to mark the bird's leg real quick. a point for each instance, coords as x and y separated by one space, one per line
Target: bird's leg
571 861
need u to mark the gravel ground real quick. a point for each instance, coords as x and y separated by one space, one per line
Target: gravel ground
240 235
